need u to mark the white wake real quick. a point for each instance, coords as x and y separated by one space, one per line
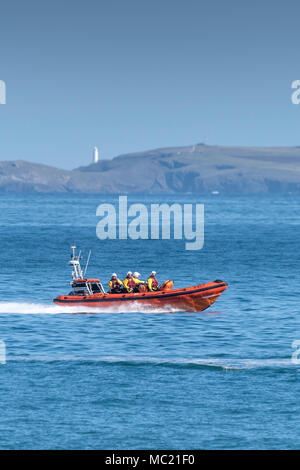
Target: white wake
52 309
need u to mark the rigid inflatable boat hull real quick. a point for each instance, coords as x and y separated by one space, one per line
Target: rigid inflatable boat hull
189 299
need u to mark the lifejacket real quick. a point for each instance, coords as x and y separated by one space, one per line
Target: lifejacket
129 283
115 284
153 283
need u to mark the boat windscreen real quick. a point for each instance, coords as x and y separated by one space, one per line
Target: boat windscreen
95 287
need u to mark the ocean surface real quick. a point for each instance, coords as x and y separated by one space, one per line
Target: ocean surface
219 379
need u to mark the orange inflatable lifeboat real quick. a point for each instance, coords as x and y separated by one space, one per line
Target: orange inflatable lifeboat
188 299
90 293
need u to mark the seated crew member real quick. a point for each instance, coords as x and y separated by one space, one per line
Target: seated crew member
137 281
115 285
128 283
152 282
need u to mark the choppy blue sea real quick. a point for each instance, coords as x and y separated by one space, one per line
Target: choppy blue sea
219 379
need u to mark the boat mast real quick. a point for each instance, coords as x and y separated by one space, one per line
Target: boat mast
75 263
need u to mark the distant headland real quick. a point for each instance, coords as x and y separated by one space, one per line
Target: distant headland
197 168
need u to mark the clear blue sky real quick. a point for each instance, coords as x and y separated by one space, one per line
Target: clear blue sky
130 75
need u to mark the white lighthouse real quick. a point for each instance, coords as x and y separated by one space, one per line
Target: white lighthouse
96 155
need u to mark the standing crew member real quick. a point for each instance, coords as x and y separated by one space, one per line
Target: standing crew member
152 282
115 285
129 283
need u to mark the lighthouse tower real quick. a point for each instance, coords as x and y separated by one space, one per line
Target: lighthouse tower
96 155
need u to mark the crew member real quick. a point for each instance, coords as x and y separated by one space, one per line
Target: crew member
115 285
137 281
152 282
129 283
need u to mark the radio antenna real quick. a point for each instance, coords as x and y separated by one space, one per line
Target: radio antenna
87 263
